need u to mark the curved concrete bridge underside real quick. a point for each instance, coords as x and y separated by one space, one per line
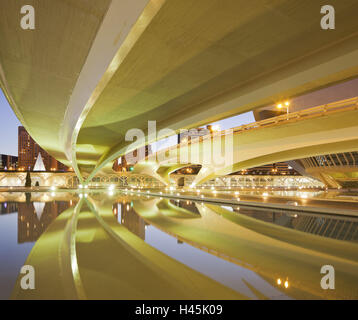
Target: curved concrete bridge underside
92 70
326 129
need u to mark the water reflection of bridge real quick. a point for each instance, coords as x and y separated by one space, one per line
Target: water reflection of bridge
34 217
241 236
127 216
335 227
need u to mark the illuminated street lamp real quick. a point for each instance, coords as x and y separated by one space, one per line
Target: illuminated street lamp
286 105
213 128
274 169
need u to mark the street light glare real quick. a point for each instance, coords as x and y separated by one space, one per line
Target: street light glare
215 127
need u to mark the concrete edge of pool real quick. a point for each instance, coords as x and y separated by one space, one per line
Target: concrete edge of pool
333 211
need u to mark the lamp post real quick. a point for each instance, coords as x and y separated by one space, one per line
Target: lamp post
286 104
213 128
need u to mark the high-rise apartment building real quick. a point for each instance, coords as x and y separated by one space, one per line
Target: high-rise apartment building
8 162
29 150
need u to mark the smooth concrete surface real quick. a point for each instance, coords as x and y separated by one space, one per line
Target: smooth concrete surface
181 63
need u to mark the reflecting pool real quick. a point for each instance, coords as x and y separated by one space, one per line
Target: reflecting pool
117 246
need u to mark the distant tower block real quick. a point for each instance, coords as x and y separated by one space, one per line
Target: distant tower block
39 165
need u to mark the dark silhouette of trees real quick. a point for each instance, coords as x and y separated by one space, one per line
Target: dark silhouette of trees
28 180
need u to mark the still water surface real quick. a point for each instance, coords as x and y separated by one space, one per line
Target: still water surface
101 246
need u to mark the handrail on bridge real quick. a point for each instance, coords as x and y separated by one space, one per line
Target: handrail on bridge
338 106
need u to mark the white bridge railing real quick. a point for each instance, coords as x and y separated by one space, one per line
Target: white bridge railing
315 112
334 107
